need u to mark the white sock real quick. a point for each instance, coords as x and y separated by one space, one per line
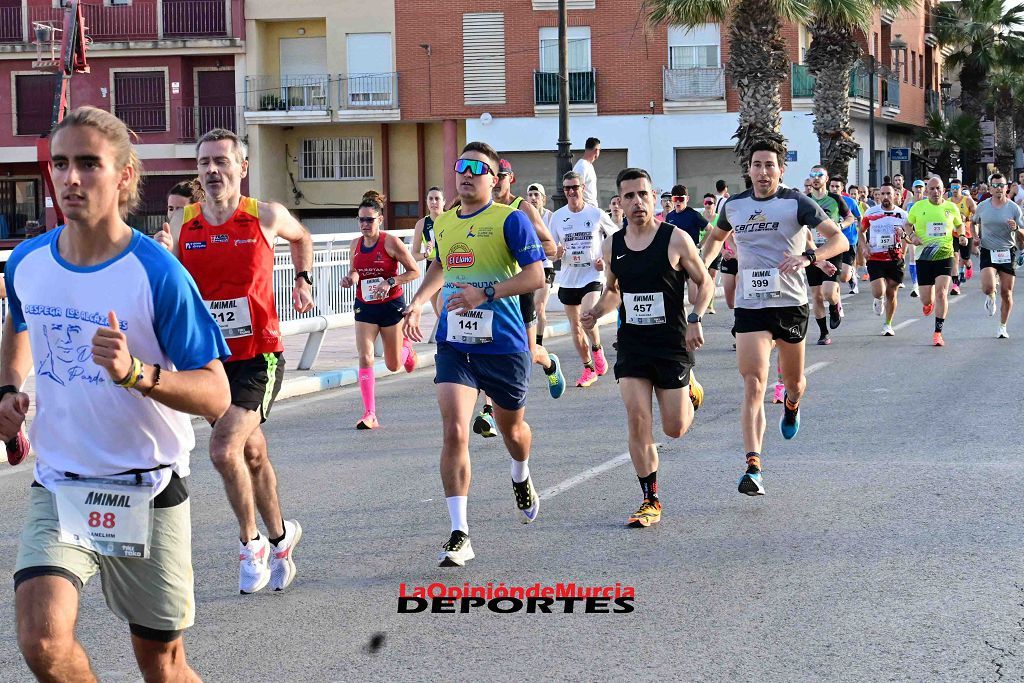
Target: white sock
520 470
457 511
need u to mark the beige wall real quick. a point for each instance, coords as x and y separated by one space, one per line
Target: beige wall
404 175
265 50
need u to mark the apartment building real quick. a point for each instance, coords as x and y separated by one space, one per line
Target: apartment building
167 68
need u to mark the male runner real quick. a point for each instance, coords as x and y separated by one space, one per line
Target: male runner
721 194
227 245
932 225
882 246
849 258
911 250
1018 195
122 347
538 199
771 294
824 287
690 221
615 211
486 255
963 267
997 223
578 230
901 193
649 263
181 195
585 168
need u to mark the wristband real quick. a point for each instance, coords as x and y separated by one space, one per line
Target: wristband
133 376
156 380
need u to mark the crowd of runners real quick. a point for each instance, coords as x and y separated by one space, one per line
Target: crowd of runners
187 324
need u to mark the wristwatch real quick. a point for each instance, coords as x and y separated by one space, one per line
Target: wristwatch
489 293
693 319
390 281
811 256
305 275
8 389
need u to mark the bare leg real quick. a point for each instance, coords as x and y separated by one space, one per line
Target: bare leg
753 352
163 661
457 403
1006 293
46 609
227 445
264 482
636 394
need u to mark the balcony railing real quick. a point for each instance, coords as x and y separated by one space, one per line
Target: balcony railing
137 21
582 87
891 92
860 84
288 93
195 121
695 83
802 82
11 29
194 19
368 91
105 24
931 101
143 118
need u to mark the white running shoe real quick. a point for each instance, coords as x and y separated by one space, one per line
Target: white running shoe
876 304
457 551
1003 334
253 565
990 304
282 562
887 331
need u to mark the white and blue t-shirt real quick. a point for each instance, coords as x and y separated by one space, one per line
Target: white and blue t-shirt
85 424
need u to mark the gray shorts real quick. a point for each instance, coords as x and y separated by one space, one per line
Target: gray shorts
156 594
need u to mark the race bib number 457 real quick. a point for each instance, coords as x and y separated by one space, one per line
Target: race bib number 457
645 308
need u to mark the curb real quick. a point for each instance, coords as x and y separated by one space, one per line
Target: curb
333 379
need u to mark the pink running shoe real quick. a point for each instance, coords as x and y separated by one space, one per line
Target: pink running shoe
411 359
780 393
369 421
587 378
17 449
600 364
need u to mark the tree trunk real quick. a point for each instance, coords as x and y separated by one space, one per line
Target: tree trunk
974 89
830 58
1005 146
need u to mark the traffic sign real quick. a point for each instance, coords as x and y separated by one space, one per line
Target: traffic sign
899 154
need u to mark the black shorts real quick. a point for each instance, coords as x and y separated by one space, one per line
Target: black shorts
849 257
663 373
816 276
573 296
890 270
528 309
927 271
1008 268
963 249
549 276
717 263
384 314
255 382
786 323
730 266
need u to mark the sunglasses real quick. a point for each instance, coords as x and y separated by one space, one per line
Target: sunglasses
816 174
679 198
367 219
998 185
571 188
709 203
473 166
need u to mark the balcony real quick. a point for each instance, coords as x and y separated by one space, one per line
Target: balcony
890 96
195 19
10 25
321 98
106 24
582 89
372 96
801 82
931 102
692 88
196 120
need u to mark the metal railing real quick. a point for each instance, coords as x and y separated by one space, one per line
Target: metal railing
368 91
107 23
582 87
931 101
11 28
194 121
143 118
891 92
696 83
194 19
801 82
288 93
860 84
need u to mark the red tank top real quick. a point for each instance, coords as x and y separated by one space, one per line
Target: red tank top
233 266
373 264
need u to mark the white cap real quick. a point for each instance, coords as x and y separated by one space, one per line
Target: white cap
538 187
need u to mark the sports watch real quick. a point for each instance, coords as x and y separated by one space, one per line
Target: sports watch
693 319
390 281
305 275
811 256
489 293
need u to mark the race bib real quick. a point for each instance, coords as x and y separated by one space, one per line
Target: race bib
645 308
232 316
471 327
938 229
1000 255
578 258
112 517
819 239
762 283
881 240
368 287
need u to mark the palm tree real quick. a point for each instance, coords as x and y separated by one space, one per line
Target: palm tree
832 55
757 64
1005 84
982 36
947 142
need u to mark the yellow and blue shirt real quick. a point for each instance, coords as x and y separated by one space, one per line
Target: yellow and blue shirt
482 249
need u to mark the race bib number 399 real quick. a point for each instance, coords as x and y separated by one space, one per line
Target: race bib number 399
645 308
108 516
471 327
232 316
761 283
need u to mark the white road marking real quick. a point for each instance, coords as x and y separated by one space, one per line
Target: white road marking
817 366
618 460
904 324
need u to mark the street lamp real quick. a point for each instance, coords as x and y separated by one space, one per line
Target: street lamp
874 70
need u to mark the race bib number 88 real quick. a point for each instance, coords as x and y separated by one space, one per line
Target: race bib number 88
109 516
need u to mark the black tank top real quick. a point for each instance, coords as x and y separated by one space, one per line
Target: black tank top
649 272
428 235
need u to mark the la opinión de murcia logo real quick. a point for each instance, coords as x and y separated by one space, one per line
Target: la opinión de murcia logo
562 598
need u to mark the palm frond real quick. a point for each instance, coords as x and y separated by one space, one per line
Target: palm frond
855 13
687 13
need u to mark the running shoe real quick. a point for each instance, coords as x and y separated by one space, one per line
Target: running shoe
412 358
647 514
887 330
527 500
1003 334
937 339
253 565
696 392
711 308
282 564
854 289
17 449
780 393
789 425
864 277
990 304
927 309
368 421
969 271
835 315
457 551
824 341
484 425
751 482
600 363
877 306
556 380
587 378
915 292
954 289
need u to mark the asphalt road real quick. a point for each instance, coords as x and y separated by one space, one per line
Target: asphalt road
888 546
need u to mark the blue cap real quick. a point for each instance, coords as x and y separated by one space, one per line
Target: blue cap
918 183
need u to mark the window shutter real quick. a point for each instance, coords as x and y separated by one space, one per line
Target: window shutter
483 59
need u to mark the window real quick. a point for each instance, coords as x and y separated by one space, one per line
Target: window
337 159
913 67
483 58
34 95
920 70
579 48
697 47
370 69
140 100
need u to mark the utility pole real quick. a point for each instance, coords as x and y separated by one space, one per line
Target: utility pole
564 159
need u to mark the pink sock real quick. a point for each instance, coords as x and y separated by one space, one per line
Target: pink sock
366 389
406 350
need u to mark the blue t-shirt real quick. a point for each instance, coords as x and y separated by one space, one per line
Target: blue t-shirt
689 221
851 232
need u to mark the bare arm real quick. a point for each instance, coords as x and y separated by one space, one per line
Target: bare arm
713 243
277 221
684 255
610 297
417 241
15 364
203 392
397 250
546 241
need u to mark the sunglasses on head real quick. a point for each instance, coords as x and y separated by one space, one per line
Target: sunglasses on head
473 166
